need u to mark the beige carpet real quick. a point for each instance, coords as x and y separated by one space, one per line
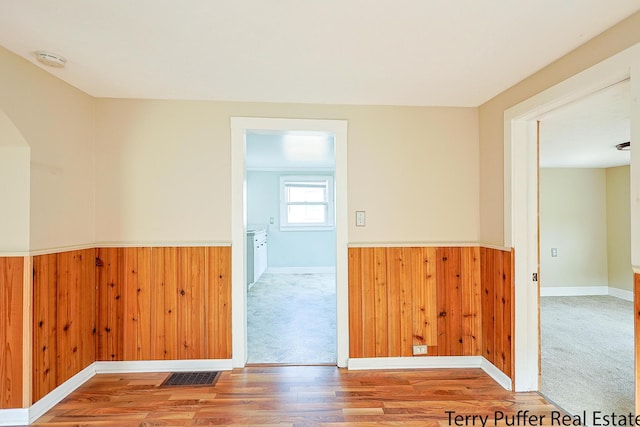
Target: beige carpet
587 353
291 319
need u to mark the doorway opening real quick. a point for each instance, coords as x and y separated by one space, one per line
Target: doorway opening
241 129
521 197
291 247
586 280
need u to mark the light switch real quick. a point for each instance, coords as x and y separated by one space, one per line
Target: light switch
360 219
554 252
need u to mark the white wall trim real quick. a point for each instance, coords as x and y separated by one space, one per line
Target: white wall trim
411 244
621 293
521 189
13 417
495 373
636 269
428 362
239 126
572 291
39 408
301 270
58 249
127 367
163 244
24 416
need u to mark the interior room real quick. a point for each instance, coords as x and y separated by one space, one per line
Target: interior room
291 301
586 285
130 203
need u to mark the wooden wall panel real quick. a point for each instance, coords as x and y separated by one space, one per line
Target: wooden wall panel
456 300
109 305
167 303
488 301
137 304
218 302
449 301
471 302
44 325
75 315
356 325
11 330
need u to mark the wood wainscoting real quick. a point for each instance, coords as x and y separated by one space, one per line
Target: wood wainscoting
163 303
11 330
124 304
63 318
455 300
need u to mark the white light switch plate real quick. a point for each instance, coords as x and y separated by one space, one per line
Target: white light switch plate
360 219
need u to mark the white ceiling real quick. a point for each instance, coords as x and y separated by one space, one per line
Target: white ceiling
584 133
408 52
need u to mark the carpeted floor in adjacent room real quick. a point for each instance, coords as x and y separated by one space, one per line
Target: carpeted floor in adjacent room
291 319
587 353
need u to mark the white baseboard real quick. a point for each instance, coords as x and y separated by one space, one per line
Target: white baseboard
432 363
14 417
10 417
621 293
573 291
301 270
115 367
39 408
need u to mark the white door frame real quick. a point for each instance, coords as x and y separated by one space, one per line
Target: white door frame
521 193
239 127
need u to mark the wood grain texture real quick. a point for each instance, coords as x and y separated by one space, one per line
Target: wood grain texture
171 303
44 325
218 302
11 329
296 396
456 300
471 302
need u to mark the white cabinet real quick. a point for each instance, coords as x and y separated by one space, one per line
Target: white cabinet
256 255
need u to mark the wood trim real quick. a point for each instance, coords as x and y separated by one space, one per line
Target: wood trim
11 332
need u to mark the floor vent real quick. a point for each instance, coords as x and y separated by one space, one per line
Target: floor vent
208 378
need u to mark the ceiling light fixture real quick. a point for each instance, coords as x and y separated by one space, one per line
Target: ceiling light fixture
51 59
624 146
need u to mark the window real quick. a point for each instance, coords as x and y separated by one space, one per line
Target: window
306 202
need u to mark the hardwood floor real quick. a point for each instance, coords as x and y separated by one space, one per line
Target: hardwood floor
296 396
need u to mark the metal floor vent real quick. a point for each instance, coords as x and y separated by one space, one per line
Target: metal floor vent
208 378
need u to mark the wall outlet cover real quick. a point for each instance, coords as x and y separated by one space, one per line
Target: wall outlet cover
419 349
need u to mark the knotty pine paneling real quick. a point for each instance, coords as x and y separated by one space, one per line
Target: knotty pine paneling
11 330
391 301
63 318
497 308
456 300
166 303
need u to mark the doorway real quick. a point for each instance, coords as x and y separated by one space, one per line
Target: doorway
291 247
240 126
586 321
521 189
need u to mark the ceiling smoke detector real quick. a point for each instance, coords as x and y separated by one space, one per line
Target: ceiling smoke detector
624 146
51 59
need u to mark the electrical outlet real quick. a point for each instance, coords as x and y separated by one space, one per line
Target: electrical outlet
360 219
554 252
419 349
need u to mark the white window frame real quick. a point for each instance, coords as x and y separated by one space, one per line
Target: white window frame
328 225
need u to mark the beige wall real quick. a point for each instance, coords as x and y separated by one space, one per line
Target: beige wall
14 188
491 116
57 121
163 169
619 228
573 208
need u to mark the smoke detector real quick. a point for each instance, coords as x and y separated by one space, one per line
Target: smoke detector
51 59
